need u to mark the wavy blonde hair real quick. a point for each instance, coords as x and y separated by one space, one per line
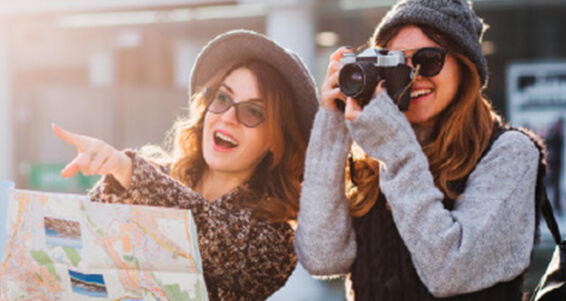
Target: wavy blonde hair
273 190
461 133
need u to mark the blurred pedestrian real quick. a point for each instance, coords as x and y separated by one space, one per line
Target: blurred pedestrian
555 144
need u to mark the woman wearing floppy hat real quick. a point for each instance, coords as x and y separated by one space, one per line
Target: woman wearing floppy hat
440 199
236 163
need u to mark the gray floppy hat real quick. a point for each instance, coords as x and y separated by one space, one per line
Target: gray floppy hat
453 18
242 45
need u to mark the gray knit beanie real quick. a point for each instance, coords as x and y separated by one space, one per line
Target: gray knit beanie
245 44
453 18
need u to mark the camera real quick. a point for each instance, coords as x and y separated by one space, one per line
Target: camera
363 72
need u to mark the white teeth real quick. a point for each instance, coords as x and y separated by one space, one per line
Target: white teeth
225 138
420 93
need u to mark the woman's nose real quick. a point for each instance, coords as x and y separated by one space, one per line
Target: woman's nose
230 115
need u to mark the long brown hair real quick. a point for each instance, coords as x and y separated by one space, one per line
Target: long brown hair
273 190
461 133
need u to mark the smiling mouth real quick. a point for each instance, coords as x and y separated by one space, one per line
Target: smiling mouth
420 92
224 141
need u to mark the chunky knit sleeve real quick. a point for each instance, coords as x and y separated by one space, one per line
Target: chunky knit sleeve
488 237
243 258
325 241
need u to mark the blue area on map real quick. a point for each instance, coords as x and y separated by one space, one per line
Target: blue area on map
85 292
91 278
87 279
54 241
4 186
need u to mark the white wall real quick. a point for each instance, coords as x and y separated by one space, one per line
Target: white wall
6 139
293 24
41 6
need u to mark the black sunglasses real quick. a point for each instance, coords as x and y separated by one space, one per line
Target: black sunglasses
430 59
248 113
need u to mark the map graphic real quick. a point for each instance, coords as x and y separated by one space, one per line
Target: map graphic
64 247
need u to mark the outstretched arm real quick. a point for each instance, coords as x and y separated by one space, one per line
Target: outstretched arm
95 157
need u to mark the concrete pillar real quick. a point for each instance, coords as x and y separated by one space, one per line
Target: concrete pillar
293 24
101 69
6 112
185 56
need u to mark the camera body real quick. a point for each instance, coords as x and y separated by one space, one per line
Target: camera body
361 74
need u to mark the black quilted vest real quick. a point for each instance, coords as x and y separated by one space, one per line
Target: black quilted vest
383 269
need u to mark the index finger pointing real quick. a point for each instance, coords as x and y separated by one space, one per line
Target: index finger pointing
74 139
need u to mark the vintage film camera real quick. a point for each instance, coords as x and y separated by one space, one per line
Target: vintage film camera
361 73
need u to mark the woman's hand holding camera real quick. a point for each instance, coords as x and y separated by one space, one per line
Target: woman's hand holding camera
331 96
95 157
329 91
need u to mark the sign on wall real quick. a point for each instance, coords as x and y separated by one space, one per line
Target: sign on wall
537 100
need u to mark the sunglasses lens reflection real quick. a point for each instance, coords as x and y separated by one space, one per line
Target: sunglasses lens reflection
431 61
248 113
220 103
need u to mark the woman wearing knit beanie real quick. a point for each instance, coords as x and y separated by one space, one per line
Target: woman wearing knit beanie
236 163
439 200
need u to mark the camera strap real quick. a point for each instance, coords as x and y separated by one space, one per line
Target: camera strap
413 76
399 82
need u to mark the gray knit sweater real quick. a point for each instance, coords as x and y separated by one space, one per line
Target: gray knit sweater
487 238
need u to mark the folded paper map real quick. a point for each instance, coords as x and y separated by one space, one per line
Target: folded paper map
64 247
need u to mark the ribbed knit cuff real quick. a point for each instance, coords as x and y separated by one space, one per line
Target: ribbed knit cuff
328 148
381 128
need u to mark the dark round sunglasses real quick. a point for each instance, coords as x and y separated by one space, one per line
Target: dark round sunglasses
248 113
430 59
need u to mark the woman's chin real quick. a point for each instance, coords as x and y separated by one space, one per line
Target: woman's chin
419 118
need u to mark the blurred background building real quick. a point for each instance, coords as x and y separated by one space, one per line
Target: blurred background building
119 70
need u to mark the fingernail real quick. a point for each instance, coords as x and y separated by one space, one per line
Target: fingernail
348 47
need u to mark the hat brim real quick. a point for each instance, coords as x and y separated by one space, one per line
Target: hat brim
242 45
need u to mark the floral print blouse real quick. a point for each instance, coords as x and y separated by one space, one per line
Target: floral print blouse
243 258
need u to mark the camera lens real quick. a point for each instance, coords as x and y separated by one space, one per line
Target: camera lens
351 79
358 80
